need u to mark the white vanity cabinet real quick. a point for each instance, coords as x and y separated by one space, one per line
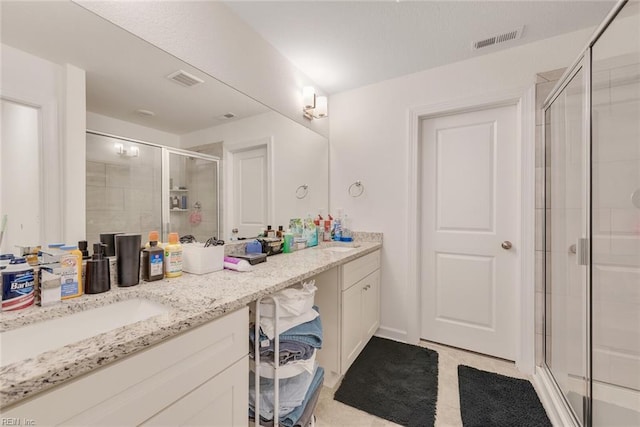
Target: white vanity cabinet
198 377
349 300
360 306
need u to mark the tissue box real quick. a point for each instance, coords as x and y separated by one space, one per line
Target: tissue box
197 259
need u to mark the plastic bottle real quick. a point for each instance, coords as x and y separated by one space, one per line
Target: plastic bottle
71 267
154 235
153 260
287 247
17 285
83 248
173 257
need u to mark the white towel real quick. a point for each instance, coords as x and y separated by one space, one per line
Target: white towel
293 301
285 323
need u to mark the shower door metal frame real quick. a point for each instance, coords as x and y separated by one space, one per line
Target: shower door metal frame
166 171
583 61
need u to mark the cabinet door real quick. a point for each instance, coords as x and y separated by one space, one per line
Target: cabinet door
371 305
221 401
352 337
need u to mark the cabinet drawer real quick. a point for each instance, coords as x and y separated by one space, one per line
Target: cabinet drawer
220 402
356 270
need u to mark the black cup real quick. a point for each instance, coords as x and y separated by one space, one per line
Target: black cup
128 258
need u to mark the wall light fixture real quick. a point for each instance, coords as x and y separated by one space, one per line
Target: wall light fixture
132 152
314 107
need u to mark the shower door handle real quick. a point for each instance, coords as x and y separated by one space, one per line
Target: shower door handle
582 251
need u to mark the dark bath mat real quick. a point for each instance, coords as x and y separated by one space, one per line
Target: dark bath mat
394 381
488 399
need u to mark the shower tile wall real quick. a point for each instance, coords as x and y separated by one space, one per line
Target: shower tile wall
121 198
544 84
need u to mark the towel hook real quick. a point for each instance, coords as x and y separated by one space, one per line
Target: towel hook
356 189
302 191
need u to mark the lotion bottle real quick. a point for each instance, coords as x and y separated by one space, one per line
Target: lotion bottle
173 256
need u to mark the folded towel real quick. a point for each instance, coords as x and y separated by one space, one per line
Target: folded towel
301 415
307 333
267 324
290 351
292 393
292 301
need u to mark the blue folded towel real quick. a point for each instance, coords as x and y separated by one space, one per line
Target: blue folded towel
290 351
292 418
309 333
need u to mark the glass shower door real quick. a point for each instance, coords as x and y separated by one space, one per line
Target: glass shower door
566 223
616 222
191 200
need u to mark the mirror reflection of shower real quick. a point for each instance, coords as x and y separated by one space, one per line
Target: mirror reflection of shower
125 189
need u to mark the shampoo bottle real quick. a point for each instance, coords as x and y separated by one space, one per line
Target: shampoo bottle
173 256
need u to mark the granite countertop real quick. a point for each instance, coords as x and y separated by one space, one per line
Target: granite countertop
193 300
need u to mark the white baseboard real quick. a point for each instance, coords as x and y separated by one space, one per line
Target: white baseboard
554 405
392 334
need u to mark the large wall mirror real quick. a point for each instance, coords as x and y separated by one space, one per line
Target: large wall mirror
267 161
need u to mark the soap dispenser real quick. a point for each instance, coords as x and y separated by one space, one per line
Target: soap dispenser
97 278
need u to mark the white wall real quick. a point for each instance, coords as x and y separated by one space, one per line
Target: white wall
37 82
209 36
369 142
117 127
74 154
300 156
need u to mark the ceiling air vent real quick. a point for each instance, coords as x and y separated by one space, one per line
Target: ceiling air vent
498 38
185 79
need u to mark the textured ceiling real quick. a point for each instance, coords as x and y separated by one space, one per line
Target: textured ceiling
344 45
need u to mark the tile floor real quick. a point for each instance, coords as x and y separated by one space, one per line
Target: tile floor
332 413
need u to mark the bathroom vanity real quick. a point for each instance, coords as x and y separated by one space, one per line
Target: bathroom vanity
189 362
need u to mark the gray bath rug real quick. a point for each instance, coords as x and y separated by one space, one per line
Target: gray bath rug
488 399
394 381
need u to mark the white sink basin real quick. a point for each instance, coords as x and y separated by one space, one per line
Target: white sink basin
31 340
339 249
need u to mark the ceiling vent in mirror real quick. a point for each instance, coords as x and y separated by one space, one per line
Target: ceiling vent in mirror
185 79
498 38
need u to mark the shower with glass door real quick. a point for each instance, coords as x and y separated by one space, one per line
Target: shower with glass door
592 223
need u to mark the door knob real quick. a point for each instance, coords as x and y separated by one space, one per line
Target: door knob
506 245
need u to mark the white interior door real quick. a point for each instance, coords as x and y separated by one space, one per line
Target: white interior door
20 170
250 191
469 212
